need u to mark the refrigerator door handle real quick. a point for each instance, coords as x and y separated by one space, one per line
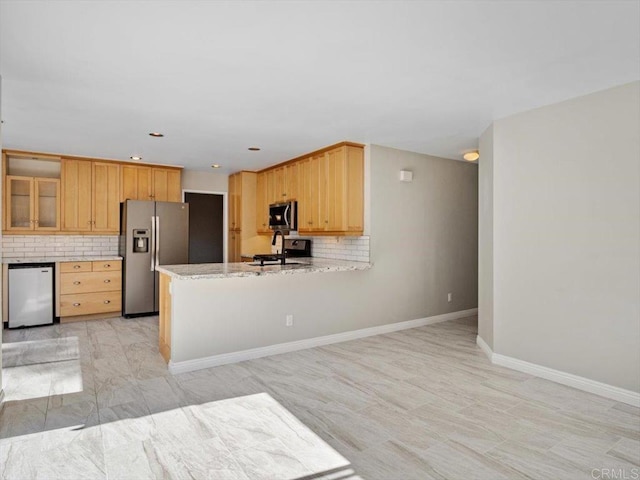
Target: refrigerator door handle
153 243
157 241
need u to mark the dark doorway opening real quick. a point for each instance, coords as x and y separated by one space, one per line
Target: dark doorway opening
206 230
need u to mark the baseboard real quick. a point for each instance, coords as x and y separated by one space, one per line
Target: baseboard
233 357
564 378
484 347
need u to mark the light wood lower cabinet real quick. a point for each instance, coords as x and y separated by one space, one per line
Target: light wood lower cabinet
89 288
164 330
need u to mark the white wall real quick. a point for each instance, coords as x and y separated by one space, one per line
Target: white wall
423 245
485 238
566 236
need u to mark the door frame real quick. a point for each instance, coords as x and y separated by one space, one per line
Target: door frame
225 213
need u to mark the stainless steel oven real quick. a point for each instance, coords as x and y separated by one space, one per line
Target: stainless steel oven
283 216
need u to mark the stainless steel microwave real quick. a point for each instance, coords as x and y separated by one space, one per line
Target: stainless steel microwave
283 216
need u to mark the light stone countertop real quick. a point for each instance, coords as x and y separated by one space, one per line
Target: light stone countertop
89 258
229 270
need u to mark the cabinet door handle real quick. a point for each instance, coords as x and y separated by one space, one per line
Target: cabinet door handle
107 281
76 266
88 222
107 302
76 304
76 283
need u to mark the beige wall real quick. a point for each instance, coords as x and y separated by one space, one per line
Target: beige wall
204 181
423 246
485 238
566 236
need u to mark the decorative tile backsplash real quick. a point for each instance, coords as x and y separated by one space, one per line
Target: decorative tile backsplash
340 248
25 246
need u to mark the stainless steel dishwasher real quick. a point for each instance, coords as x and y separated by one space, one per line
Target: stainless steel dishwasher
31 294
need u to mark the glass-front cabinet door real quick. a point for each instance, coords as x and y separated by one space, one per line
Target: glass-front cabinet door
32 203
47 204
20 203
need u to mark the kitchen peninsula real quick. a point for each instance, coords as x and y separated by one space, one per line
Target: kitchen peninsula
217 313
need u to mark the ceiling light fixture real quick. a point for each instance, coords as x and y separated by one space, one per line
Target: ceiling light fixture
254 149
471 156
156 134
215 165
134 157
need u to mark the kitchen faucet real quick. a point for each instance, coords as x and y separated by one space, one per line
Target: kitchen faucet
273 242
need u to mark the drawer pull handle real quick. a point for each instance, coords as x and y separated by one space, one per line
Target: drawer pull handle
108 265
76 283
76 304
107 301
76 266
107 281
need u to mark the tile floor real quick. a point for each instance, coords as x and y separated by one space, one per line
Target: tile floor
417 404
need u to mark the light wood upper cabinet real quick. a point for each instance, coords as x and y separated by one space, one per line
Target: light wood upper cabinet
243 203
342 208
166 185
32 204
77 195
234 198
262 204
105 199
147 183
313 186
76 180
290 182
90 196
135 183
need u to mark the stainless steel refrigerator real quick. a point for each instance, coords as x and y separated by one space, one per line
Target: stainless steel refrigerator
151 234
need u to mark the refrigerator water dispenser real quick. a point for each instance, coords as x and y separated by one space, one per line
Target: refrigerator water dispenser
140 241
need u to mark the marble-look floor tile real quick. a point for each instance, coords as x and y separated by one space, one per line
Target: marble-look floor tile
455 461
268 460
423 403
82 458
392 459
75 415
125 423
22 418
627 450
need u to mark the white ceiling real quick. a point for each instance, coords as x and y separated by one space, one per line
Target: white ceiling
94 77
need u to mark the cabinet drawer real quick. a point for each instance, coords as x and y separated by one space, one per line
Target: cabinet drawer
88 303
106 265
88 282
66 267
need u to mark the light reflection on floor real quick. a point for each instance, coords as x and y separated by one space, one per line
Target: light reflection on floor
40 368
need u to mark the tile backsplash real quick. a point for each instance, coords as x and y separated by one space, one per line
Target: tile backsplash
26 246
31 246
340 248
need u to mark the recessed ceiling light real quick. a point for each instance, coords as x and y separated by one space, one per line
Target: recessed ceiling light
471 156
215 165
135 158
156 134
254 149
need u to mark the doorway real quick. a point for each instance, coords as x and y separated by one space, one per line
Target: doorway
206 226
